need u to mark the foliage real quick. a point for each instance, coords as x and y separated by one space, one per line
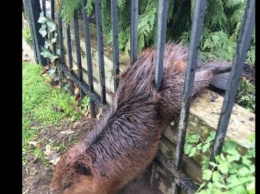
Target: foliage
232 172
246 95
27 36
42 105
221 27
48 29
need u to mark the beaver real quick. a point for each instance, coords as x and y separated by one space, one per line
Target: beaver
126 139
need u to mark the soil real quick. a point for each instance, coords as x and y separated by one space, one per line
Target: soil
37 173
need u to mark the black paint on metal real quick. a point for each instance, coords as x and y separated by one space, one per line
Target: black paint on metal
198 17
70 59
161 37
78 51
134 31
114 11
100 50
53 18
88 57
34 11
243 44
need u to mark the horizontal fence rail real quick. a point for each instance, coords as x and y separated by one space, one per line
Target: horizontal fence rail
173 169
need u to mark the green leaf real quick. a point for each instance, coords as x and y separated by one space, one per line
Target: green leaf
246 161
53 40
206 174
239 190
252 168
205 147
192 151
53 57
42 19
43 30
251 187
47 44
45 53
213 164
223 167
232 152
233 168
51 26
187 148
216 177
233 158
211 137
243 171
199 146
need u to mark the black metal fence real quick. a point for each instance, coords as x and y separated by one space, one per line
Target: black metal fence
33 9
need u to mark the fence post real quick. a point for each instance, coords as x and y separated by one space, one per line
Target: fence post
33 12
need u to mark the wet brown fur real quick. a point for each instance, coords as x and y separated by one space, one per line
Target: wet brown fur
125 140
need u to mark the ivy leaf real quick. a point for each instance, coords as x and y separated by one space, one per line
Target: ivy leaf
45 53
47 44
52 71
206 174
223 167
51 26
53 58
53 40
42 19
43 30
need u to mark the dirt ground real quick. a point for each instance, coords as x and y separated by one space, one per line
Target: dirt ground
37 174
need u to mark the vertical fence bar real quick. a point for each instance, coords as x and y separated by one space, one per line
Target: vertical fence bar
68 40
100 50
44 7
161 37
34 11
197 23
53 18
78 52
26 7
114 11
88 56
60 32
243 44
134 30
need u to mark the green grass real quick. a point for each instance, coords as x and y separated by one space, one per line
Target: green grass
40 105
